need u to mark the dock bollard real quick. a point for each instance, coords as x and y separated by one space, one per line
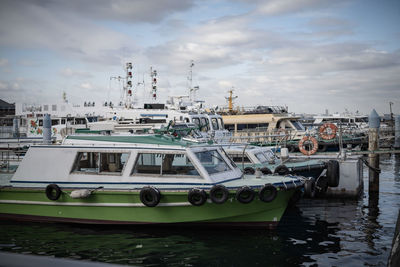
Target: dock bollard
397 132
374 122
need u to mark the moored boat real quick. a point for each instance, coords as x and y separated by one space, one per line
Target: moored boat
157 181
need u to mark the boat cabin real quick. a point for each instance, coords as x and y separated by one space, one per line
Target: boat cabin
167 164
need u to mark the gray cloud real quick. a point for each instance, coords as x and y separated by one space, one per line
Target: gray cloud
114 10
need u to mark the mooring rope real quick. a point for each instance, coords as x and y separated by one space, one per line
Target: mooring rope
376 170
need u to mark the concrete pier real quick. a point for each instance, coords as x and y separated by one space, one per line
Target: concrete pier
373 144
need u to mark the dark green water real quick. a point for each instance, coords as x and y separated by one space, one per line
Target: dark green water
316 233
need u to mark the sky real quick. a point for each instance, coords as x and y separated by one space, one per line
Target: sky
309 55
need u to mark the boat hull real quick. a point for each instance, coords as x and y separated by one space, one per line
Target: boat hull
125 207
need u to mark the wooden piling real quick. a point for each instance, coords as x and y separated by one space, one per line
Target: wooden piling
394 257
373 145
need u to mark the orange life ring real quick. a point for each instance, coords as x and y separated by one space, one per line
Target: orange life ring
328 131
308 140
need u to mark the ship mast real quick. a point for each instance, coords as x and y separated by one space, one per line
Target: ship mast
153 75
230 100
192 90
128 85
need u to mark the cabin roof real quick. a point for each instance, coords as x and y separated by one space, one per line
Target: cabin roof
142 139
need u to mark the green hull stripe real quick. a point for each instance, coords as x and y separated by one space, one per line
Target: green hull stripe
177 204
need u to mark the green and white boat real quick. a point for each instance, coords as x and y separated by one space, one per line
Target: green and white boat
156 180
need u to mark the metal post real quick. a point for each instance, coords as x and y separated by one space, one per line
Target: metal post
397 132
373 145
47 129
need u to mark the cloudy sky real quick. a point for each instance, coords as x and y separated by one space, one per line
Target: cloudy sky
310 55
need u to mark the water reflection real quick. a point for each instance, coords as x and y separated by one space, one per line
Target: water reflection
396 169
290 245
372 217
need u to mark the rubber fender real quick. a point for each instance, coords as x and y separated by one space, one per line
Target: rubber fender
245 194
249 170
333 173
197 197
219 194
266 170
321 185
309 187
268 193
282 170
150 196
295 197
53 192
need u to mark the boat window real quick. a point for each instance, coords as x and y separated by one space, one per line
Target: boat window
221 123
270 155
297 125
62 121
95 162
212 161
196 121
230 127
54 122
164 164
239 158
87 162
214 123
113 162
40 122
204 125
80 121
261 157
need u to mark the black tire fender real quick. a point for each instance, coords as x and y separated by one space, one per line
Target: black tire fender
266 170
150 196
309 187
333 173
321 186
197 197
282 170
249 170
245 194
53 192
219 194
268 193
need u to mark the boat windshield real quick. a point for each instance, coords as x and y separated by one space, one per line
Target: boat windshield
212 161
268 154
261 157
297 125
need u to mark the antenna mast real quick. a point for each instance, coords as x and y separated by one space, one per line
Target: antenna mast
190 79
128 85
153 75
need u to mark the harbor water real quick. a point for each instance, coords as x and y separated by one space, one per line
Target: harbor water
317 232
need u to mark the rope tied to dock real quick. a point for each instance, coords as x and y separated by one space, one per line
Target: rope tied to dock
376 170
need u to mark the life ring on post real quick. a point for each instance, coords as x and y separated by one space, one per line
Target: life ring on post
53 192
150 196
245 195
197 197
308 141
219 194
328 131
